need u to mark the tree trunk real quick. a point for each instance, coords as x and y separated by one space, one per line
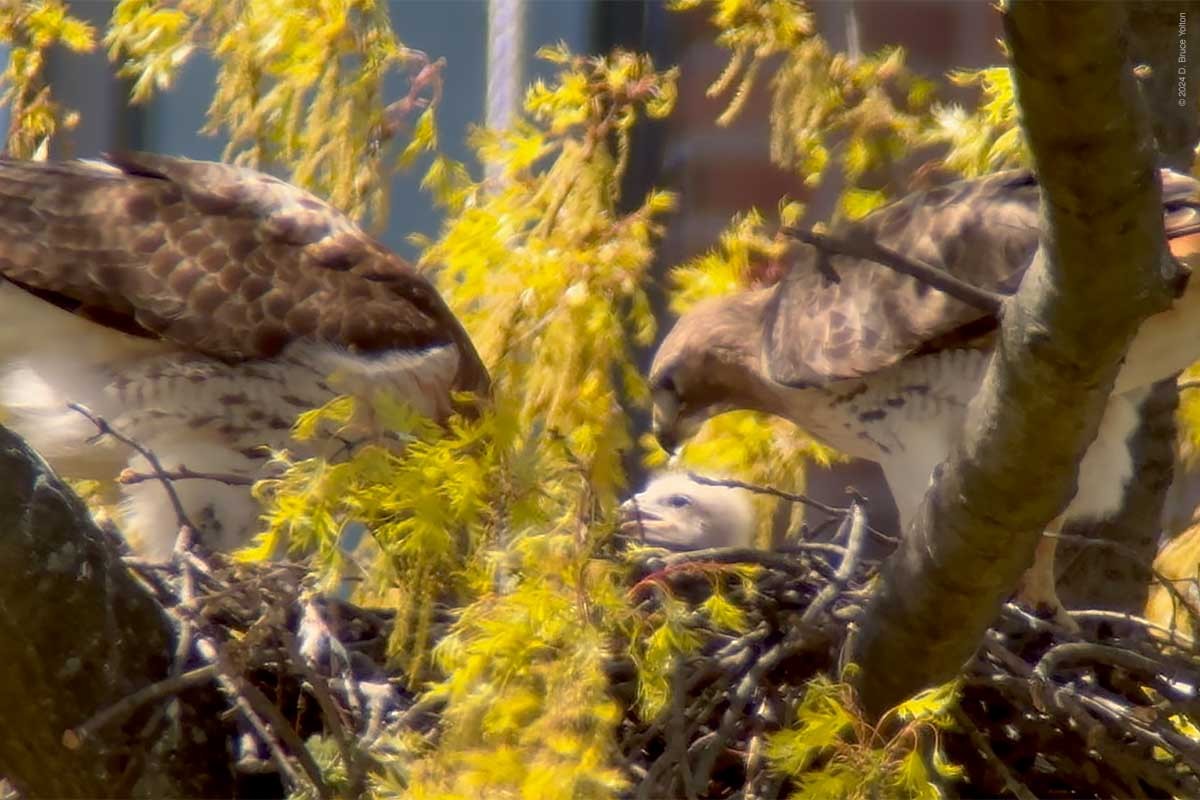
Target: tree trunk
1111 578
78 633
1100 272
1118 579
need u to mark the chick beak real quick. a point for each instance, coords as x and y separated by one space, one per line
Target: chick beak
633 519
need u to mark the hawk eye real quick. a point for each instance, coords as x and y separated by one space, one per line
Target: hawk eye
678 501
668 385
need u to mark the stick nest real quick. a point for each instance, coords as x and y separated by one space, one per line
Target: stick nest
1043 712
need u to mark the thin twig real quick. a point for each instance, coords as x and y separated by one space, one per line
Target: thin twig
870 250
396 115
314 620
355 767
1011 661
266 719
1173 637
74 738
1091 652
1177 597
833 511
748 555
856 524
1018 789
107 430
1169 740
1035 623
677 745
183 544
734 715
128 477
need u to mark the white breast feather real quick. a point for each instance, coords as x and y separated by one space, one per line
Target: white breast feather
49 358
188 409
875 416
1165 344
422 378
923 403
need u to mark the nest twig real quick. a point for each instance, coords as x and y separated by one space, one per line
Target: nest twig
277 651
1108 710
1043 711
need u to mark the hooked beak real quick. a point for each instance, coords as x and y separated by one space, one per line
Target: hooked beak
666 439
635 521
669 429
631 512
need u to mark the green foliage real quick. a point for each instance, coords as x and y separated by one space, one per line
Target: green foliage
328 758
662 640
752 31
547 276
988 139
730 266
544 271
429 510
501 516
528 714
505 516
30 28
864 114
299 83
832 752
1188 417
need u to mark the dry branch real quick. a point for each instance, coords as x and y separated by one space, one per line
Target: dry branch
869 250
77 635
1099 273
1063 693
1095 708
105 429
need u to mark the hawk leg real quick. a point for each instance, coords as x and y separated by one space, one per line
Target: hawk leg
1106 468
225 516
1036 592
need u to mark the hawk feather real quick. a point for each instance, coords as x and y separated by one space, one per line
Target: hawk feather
856 317
882 366
221 260
198 308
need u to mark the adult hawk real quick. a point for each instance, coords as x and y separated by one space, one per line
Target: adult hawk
879 365
198 308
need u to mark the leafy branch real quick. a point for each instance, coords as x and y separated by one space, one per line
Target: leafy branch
299 84
30 29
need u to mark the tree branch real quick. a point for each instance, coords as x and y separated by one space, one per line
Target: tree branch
1112 578
1107 578
79 634
1100 272
869 250
1154 31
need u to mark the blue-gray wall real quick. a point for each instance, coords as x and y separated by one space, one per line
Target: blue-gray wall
453 29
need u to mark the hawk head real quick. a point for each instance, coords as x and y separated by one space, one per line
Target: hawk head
709 364
677 512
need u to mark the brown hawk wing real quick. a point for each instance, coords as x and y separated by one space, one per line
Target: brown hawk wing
852 317
855 317
223 260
